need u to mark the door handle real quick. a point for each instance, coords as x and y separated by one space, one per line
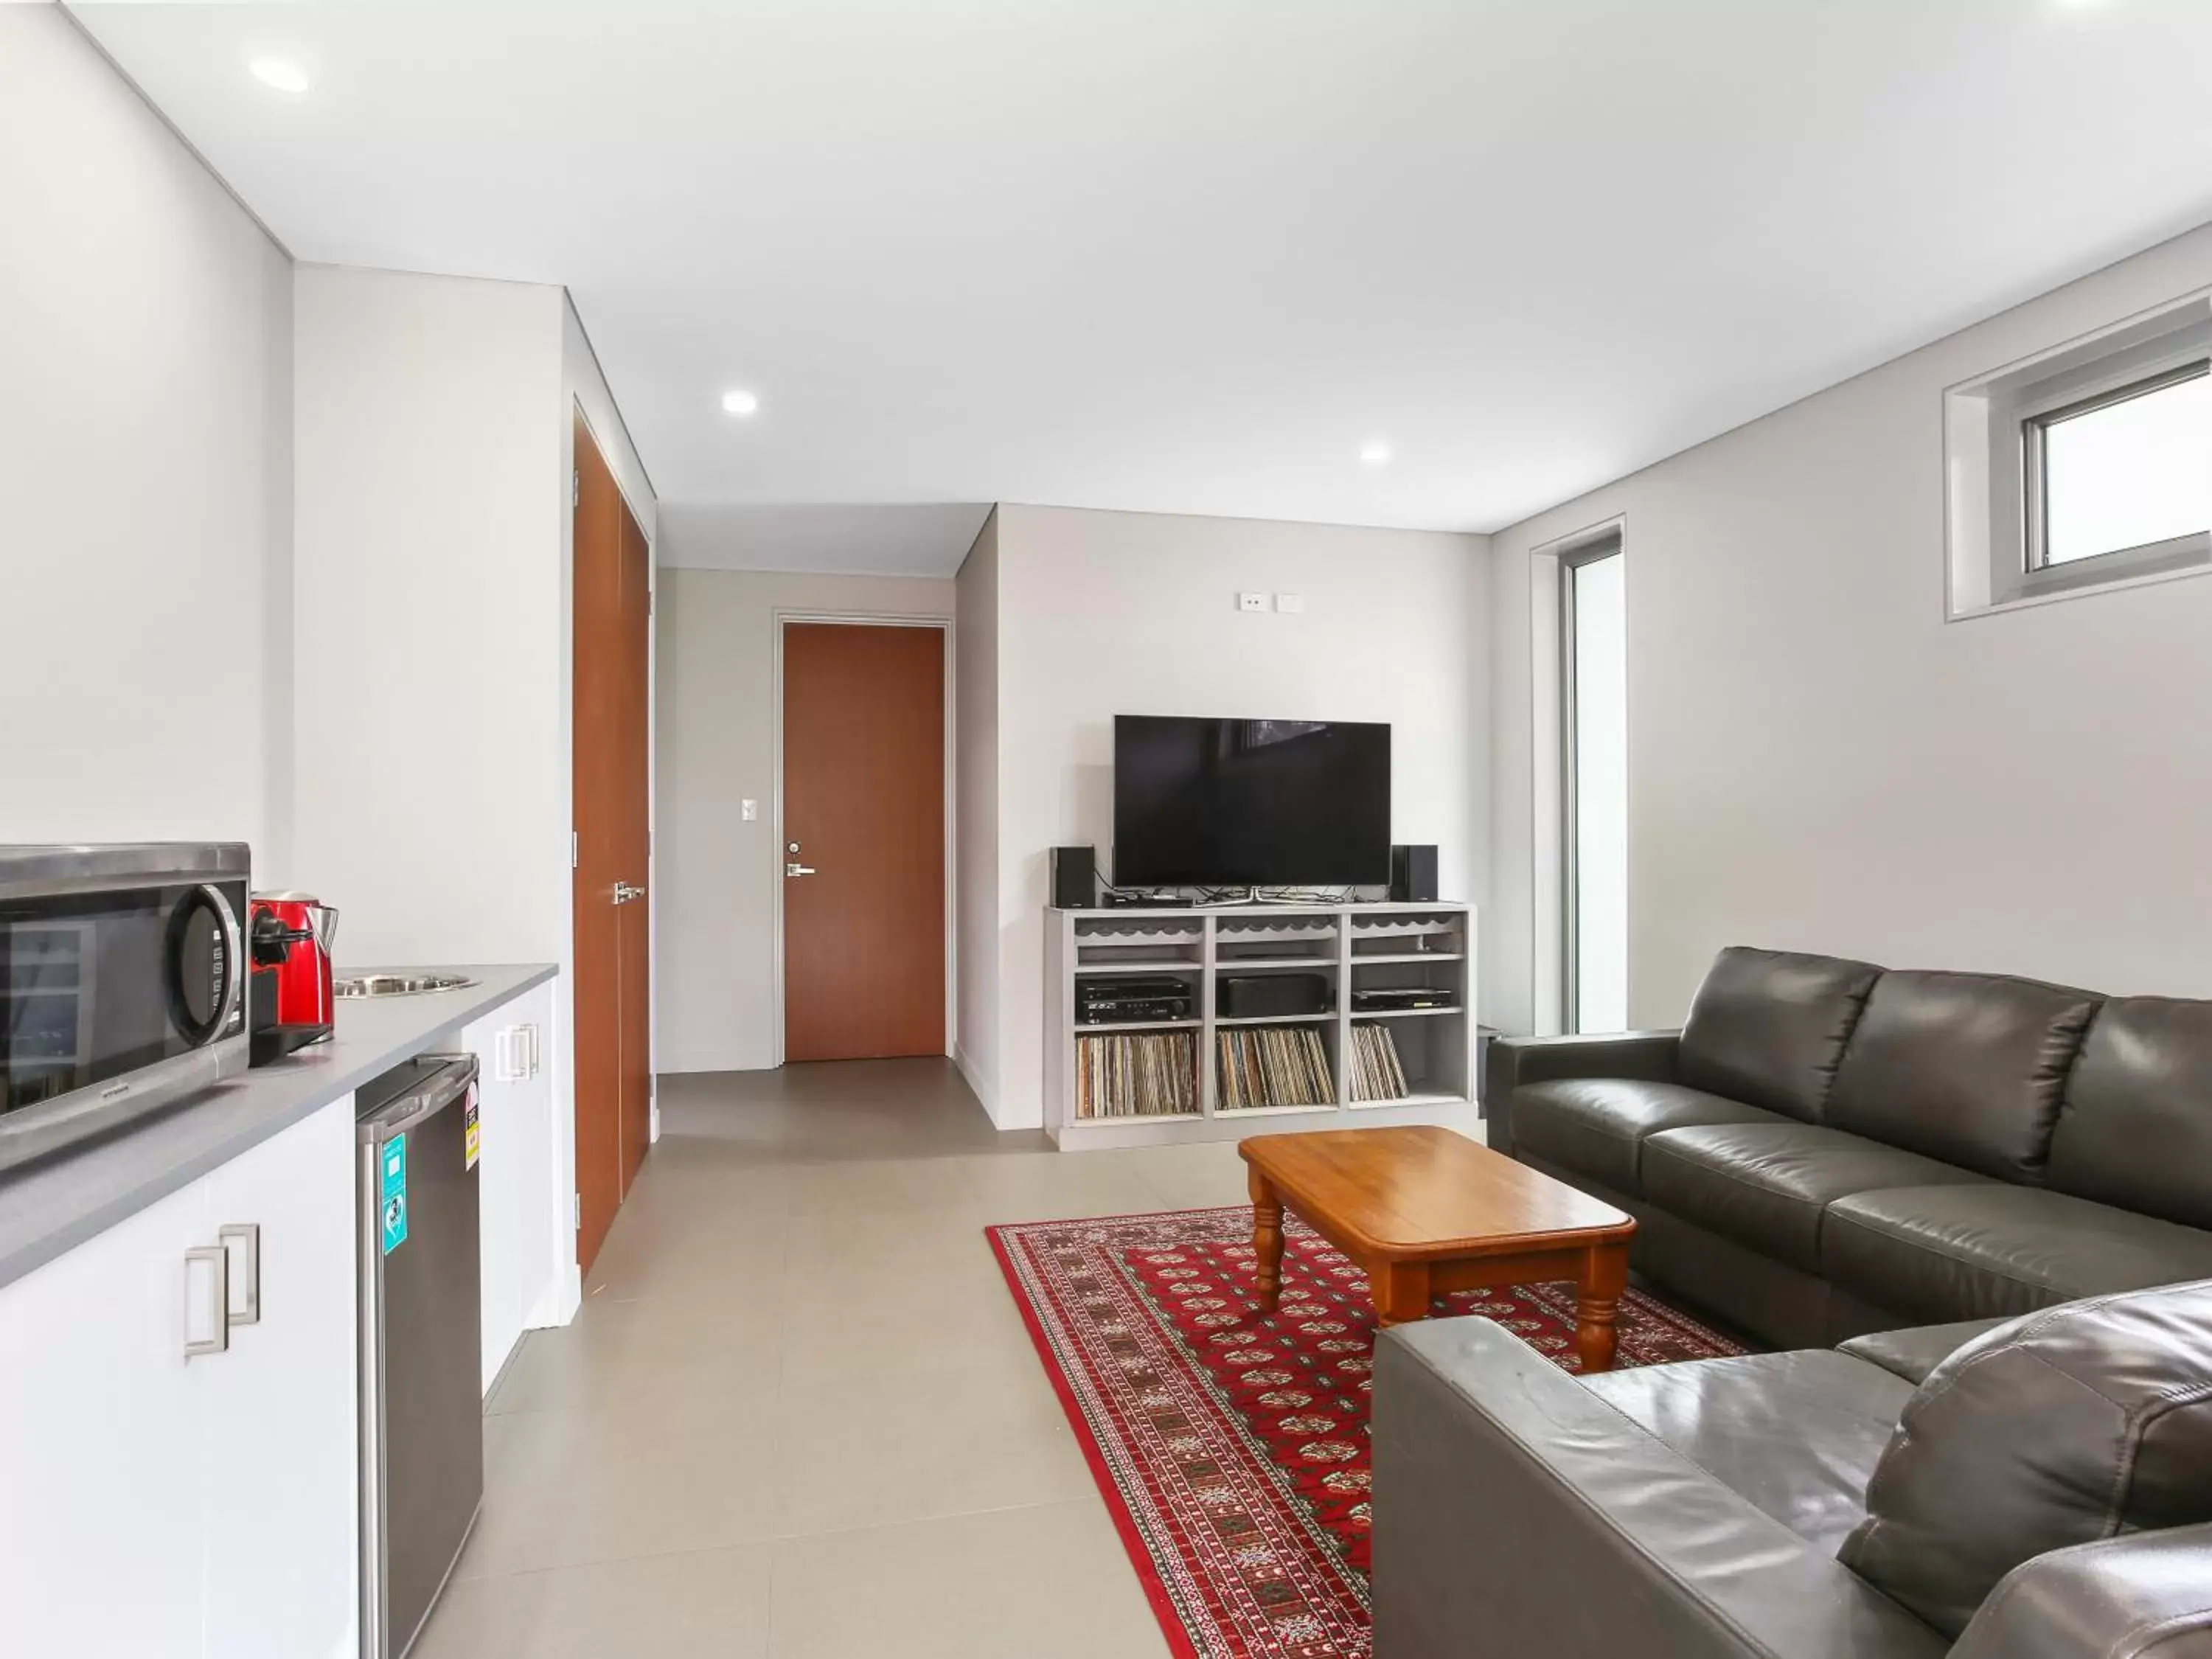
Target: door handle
211 1265
624 892
795 868
243 1243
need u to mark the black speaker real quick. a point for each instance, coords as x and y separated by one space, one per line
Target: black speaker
1413 875
1074 878
1271 996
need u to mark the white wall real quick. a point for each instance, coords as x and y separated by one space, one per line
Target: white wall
975 751
431 762
1818 761
145 462
719 877
1108 613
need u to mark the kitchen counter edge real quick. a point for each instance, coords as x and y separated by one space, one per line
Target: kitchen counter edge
52 1206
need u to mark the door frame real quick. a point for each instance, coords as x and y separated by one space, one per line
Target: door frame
783 617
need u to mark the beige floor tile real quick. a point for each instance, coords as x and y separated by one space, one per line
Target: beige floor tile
877 1185
911 1446
712 1260
647 1353
902 1325
563 1486
683 1605
1059 1186
1048 1583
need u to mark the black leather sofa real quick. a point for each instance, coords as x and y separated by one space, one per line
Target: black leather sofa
2041 1489
1827 1148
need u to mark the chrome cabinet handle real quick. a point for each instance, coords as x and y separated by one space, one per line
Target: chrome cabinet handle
795 868
241 1243
214 1263
624 892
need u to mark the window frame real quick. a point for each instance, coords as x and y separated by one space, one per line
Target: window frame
1608 544
1995 427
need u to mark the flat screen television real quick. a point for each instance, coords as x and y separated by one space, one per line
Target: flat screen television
1231 802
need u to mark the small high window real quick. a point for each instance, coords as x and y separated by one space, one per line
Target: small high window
2088 466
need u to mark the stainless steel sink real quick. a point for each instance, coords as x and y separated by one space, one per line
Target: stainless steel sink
400 985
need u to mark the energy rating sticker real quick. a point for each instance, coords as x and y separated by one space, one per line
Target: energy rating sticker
395 1192
471 1133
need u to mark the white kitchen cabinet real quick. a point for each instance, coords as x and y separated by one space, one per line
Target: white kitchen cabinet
282 1452
103 1488
527 1240
157 1507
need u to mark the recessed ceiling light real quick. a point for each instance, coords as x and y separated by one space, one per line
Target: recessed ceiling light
280 73
1375 455
739 403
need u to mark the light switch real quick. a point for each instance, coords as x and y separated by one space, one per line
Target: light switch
749 810
1290 604
1251 601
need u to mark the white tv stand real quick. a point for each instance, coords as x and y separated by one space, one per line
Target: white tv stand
1353 947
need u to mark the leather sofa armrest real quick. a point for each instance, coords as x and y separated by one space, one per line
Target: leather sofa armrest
1517 1513
1648 1056
1911 1354
2143 1595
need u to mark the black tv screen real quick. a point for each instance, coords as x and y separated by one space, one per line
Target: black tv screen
1222 803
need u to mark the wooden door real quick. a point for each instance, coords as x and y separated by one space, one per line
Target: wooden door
864 799
634 843
609 807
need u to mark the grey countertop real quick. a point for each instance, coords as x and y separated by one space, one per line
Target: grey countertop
56 1203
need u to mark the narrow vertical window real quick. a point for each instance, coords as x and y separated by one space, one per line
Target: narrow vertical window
1596 611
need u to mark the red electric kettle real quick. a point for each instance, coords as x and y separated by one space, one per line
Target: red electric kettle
291 935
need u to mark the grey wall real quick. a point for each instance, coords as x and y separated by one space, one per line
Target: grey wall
145 462
717 876
1819 761
976 746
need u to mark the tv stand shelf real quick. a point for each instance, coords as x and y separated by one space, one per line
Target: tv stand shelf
1353 947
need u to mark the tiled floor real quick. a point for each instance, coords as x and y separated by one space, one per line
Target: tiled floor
798 1415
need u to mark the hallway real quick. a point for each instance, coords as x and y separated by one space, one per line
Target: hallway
798 1415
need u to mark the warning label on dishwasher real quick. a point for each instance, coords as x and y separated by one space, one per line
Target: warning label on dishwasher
395 1193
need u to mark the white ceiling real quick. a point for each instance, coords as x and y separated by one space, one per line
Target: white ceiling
1190 257
876 541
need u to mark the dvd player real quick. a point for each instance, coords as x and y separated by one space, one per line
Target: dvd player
1382 998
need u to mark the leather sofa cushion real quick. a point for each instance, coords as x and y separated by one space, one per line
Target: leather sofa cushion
2062 1428
1964 1067
1912 1354
2135 1126
1768 1185
1798 1434
1769 1027
1989 1251
1597 1127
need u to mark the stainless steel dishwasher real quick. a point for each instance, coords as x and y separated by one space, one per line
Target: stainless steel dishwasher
421 1401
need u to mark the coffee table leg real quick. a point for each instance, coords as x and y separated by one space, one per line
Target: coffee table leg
1267 1240
1604 1277
1401 1291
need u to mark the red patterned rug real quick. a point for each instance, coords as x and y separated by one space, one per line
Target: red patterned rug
1232 1448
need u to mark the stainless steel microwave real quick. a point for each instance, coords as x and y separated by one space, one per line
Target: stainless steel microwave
123 977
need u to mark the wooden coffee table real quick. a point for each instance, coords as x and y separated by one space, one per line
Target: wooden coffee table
1427 1211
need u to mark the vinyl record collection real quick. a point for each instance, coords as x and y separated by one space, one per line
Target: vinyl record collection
1274 1065
1376 1072
1142 1074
